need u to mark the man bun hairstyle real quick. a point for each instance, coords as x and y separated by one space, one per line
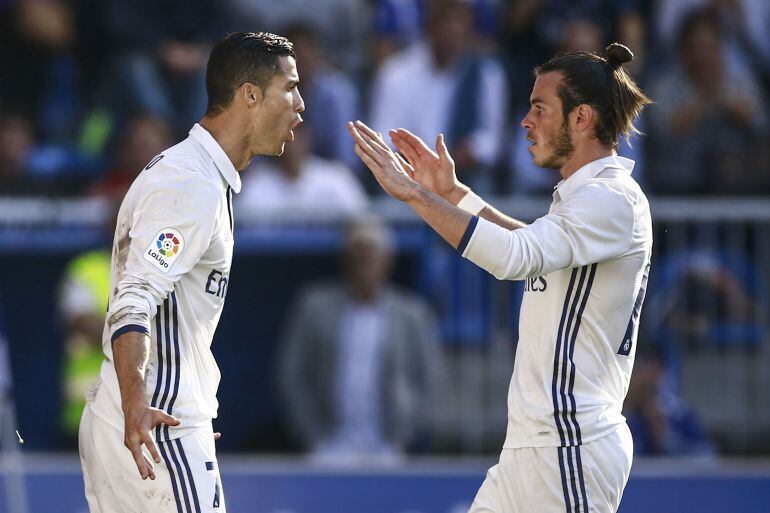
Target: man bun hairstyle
240 58
605 85
617 55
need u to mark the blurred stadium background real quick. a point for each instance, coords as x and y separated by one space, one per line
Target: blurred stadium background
91 90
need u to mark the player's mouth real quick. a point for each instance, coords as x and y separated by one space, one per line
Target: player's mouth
293 126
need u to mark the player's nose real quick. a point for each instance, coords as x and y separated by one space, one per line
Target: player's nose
299 103
526 123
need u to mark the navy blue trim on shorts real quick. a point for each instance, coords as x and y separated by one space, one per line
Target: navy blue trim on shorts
171 474
563 473
577 502
180 474
193 490
573 481
128 328
582 480
467 235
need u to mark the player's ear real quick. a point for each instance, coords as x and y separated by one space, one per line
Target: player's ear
584 117
251 94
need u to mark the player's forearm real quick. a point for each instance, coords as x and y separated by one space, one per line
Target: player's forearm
130 354
446 219
489 212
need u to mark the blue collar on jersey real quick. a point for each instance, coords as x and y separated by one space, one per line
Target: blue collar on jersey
565 187
222 161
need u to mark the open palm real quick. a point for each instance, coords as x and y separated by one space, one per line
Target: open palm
389 169
434 170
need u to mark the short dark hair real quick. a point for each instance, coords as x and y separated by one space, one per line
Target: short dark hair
240 58
604 84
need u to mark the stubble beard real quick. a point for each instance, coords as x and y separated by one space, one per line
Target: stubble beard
562 149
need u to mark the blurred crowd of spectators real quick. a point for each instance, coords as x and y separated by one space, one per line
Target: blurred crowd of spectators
93 89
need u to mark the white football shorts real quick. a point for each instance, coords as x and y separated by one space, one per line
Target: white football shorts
187 478
589 478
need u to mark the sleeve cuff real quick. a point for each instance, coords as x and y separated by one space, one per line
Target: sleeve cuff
129 328
467 235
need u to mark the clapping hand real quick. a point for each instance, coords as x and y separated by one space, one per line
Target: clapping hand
391 171
434 170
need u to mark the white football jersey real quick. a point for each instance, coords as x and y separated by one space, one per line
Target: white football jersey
585 267
171 261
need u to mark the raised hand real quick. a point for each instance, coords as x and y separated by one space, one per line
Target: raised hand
434 170
391 171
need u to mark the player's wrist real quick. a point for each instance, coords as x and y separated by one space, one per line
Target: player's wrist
471 203
456 193
133 399
420 195
130 408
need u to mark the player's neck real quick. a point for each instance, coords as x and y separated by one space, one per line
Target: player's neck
582 156
231 141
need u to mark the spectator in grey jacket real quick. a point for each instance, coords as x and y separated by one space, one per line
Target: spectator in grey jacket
360 358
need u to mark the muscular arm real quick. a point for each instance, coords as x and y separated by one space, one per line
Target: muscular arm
446 219
451 222
130 352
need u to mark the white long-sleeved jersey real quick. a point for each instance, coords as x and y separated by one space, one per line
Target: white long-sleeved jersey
586 265
171 261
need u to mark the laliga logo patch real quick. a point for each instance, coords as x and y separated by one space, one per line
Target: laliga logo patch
164 249
168 244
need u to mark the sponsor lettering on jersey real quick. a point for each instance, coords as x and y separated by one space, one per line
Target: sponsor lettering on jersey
216 284
536 284
164 249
